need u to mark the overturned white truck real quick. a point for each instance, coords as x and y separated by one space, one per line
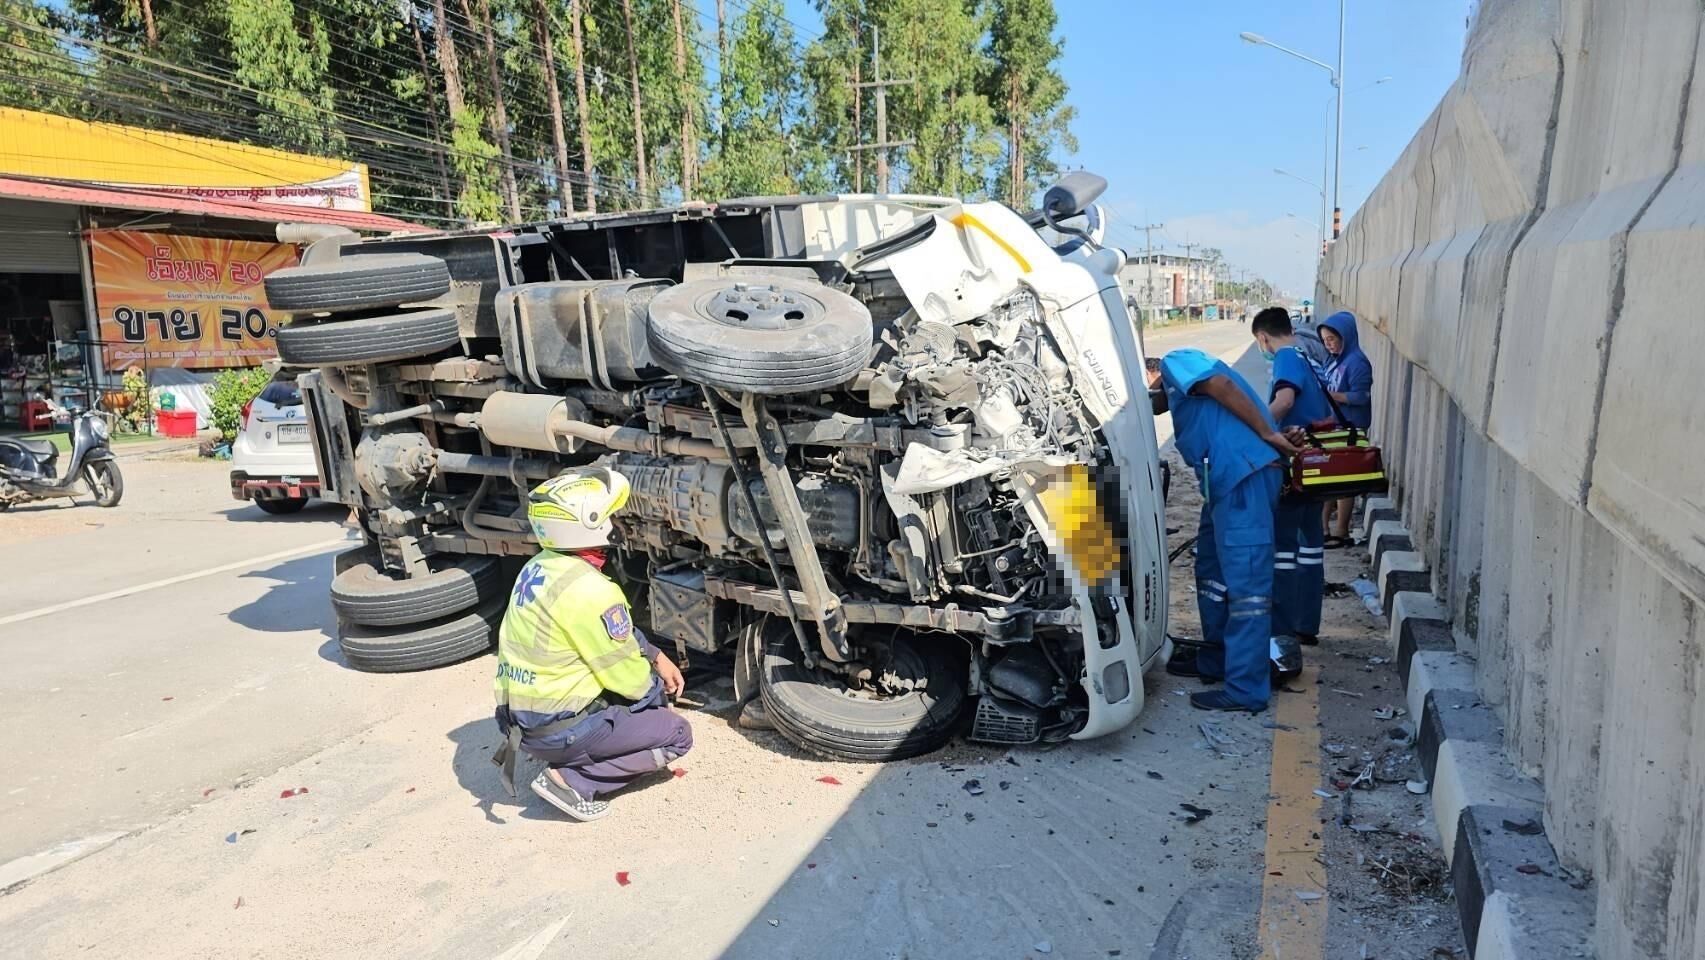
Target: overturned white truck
892 458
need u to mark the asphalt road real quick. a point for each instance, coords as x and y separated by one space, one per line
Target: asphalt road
168 673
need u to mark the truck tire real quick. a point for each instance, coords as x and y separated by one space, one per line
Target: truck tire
397 336
365 594
818 713
358 282
769 335
423 646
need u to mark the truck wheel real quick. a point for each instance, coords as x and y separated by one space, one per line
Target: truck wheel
819 712
358 282
423 646
398 336
769 335
364 593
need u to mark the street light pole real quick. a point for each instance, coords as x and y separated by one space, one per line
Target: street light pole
1337 75
1318 189
1338 128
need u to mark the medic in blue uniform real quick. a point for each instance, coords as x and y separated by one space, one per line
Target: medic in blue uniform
1297 399
1224 432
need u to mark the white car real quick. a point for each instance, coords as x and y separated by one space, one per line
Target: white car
272 462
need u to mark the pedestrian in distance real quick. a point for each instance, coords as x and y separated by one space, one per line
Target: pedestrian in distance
1297 399
578 685
1225 433
1349 381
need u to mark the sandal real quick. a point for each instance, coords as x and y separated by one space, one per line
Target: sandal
1336 542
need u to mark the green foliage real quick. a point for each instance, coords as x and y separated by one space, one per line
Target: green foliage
141 406
472 157
1028 95
982 101
286 57
230 391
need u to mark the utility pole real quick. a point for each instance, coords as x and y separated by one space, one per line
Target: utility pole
882 144
1148 240
1189 272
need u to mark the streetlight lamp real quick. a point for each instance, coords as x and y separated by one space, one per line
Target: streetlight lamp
1337 75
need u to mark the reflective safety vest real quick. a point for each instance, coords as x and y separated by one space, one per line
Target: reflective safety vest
567 637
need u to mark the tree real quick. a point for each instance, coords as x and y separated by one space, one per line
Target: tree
287 63
687 91
763 108
643 180
582 111
499 111
1028 94
559 137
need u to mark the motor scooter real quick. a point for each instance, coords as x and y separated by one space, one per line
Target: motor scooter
29 468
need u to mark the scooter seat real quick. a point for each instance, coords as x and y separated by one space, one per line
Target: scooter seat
40 449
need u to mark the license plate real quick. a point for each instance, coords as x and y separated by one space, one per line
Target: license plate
1071 505
292 433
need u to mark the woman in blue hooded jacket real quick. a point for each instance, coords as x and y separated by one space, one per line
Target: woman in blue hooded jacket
1349 379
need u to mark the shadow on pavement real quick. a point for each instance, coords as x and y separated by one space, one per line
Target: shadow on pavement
317 511
297 599
480 777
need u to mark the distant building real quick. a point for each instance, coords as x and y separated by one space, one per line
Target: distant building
1168 281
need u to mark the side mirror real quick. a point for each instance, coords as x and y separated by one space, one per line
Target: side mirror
1073 194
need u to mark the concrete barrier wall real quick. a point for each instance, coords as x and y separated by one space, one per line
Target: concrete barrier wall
1530 282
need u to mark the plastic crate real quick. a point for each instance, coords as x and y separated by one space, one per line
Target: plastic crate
175 423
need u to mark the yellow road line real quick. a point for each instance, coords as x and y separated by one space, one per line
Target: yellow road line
1293 890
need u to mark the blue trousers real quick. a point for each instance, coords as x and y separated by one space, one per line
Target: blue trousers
1234 586
1299 578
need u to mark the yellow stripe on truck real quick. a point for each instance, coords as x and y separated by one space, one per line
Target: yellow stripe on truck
965 221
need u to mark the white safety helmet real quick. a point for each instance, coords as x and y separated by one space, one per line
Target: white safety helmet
572 510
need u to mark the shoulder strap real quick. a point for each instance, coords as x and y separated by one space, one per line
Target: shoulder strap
1337 411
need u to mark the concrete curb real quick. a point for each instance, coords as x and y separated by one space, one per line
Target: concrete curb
1514 897
1401 571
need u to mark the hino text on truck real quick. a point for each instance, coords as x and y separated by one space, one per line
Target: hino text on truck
891 457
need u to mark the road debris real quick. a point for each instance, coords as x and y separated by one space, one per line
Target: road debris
831 781
1155 775
1275 725
1416 787
678 772
238 905
1347 693
232 837
1370 596
974 787
295 792
1196 814
622 878
1006 784
1307 896
1527 828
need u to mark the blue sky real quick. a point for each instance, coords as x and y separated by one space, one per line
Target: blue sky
1188 122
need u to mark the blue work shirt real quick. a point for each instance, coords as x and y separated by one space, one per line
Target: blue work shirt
1206 431
1292 369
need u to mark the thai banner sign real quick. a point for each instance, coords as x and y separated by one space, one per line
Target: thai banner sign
172 301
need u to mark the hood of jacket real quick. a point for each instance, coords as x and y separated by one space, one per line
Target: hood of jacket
1343 323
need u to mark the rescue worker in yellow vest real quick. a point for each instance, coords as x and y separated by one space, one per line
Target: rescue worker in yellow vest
578 685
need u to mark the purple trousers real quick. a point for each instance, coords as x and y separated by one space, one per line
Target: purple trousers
612 748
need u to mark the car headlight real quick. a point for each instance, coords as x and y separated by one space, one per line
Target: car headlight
99 425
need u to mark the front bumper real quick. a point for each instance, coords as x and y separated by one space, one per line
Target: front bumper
247 487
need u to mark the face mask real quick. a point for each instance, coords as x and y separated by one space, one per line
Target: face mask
1266 354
